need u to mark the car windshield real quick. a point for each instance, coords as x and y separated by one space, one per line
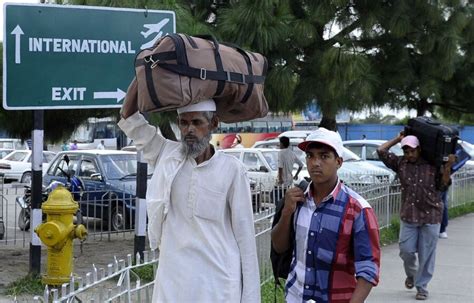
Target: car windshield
120 165
347 156
11 144
272 158
17 156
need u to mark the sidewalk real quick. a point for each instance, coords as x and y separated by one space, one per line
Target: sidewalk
453 279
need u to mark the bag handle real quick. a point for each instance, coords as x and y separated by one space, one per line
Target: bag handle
210 38
218 59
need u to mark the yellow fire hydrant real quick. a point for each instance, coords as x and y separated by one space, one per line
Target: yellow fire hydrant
58 234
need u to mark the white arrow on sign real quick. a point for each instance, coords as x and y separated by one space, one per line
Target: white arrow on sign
17 32
119 95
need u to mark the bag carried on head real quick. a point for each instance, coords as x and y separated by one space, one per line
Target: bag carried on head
180 70
437 141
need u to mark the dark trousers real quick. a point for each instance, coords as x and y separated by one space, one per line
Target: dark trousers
444 220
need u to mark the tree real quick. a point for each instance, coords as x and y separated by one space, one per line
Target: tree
356 54
424 51
309 58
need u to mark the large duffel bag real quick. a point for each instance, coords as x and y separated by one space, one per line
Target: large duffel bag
180 70
437 141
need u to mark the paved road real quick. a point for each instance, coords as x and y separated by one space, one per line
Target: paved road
453 280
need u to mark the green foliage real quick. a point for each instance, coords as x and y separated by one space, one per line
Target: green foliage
423 48
146 273
390 234
29 284
461 210
267 292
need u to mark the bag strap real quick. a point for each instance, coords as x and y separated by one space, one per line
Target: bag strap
205 74
217 57
250 71
150 86
155 58
180 49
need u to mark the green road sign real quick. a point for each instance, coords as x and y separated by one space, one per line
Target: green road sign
65 57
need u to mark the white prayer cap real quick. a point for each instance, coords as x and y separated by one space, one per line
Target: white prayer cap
202 106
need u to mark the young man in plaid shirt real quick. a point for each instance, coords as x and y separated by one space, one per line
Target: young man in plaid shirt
336 255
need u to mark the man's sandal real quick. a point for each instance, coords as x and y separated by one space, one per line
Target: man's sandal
409 283
421 296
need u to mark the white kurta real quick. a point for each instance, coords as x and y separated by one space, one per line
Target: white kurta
201 218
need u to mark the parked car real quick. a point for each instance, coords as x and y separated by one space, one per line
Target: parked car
261 164
275 144
131 148
367 150
4 152
17 165
109 180
9 143
302 134
353 170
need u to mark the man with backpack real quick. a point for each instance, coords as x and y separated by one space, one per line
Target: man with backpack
330 231
421 208
199 211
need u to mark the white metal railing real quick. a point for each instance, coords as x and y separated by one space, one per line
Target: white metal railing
100 286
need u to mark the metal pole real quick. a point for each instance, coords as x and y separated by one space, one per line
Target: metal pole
140 210
36 190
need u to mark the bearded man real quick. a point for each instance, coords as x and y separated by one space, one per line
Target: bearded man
199 211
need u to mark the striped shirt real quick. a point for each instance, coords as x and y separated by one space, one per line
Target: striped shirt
336 242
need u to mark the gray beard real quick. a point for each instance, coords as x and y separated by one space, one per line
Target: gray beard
195 149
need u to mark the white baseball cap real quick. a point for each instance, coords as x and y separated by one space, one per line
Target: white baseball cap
202 106
324 136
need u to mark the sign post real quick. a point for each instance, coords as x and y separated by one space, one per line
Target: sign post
66 57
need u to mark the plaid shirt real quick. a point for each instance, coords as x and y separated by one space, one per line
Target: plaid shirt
336 242
421 201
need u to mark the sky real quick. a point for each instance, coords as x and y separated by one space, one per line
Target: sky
1 14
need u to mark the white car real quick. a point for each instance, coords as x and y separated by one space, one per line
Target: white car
16 166
353 170
301 134
367 150
4 152
261 164
7 143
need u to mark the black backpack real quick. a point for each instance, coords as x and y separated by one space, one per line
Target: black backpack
281 262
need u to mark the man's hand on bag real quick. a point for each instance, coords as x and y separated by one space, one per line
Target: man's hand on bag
292 197
128 109
451 159
130 103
